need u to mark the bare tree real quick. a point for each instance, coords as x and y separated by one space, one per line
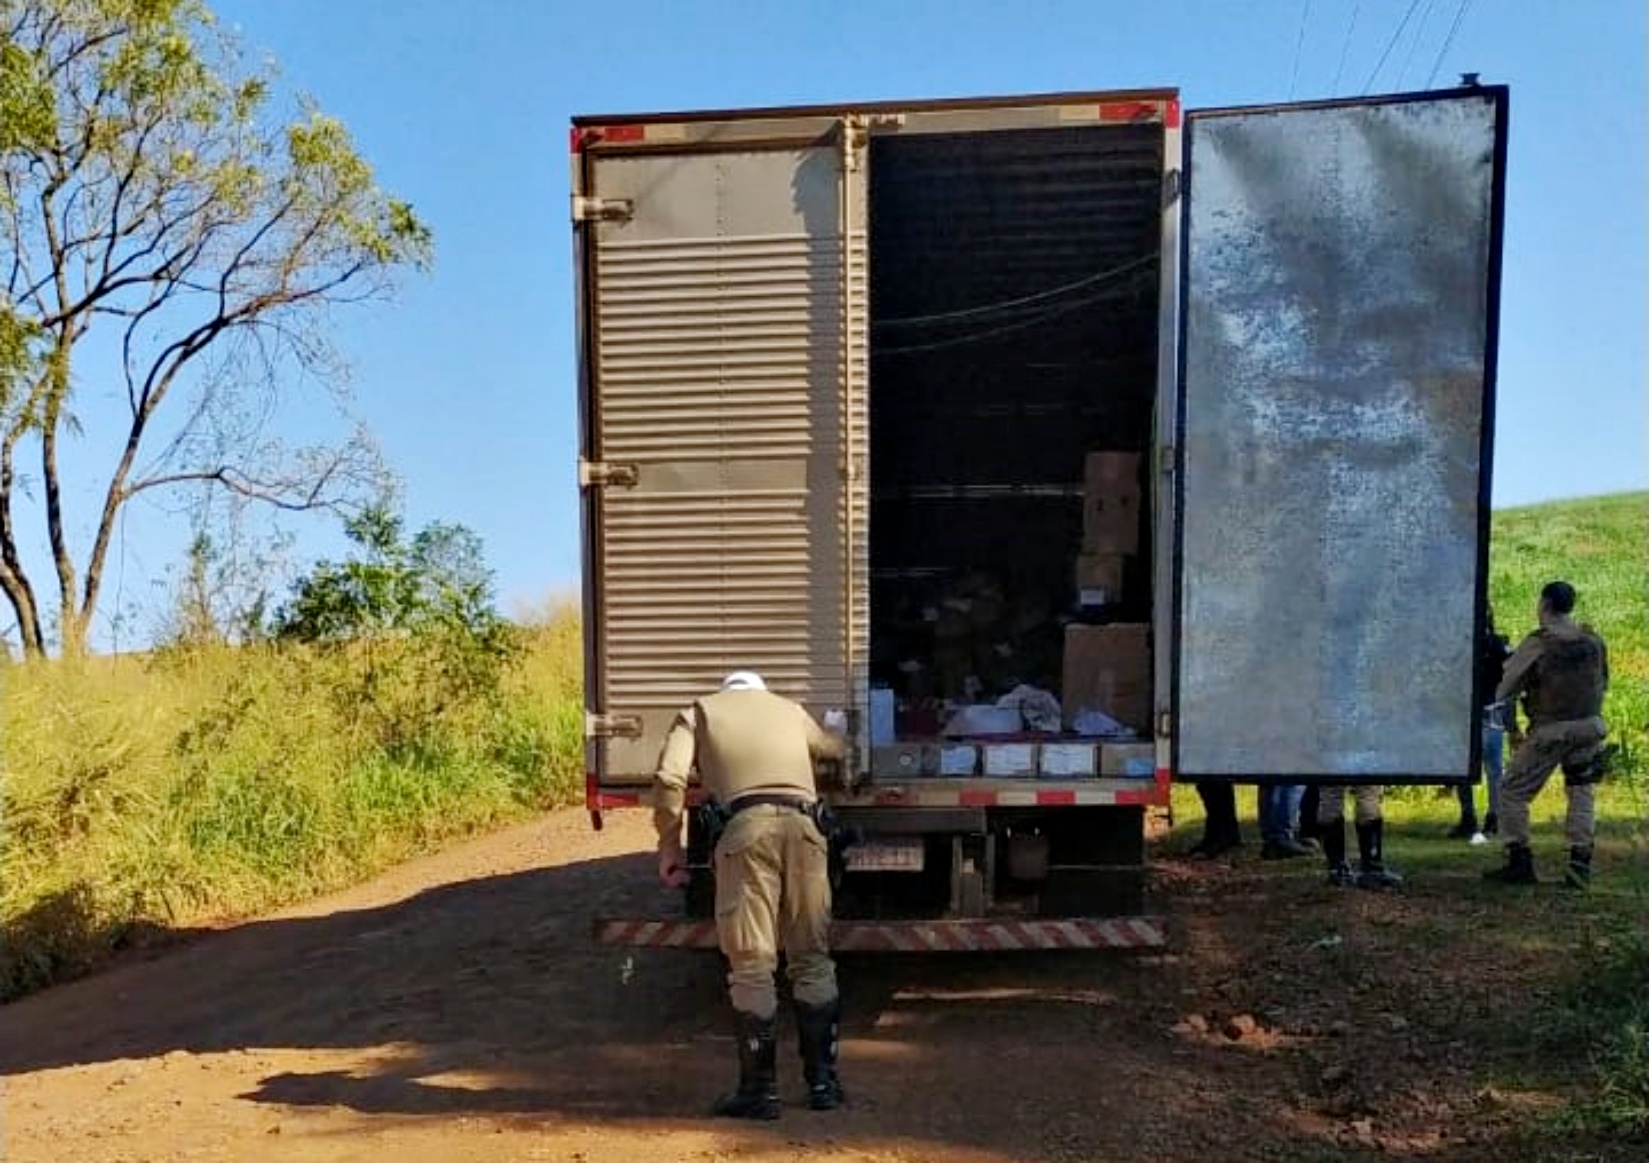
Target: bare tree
148 196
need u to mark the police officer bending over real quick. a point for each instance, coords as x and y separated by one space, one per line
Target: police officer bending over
1562 672
754 753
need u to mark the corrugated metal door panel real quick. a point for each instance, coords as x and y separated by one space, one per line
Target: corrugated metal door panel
727 366
1341 291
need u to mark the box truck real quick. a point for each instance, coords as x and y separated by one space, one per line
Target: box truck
1072 445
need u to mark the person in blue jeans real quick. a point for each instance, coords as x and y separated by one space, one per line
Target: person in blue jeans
1494 768
1492 652
1279 805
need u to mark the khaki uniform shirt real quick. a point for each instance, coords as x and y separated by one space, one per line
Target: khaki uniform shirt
1562 672
738 741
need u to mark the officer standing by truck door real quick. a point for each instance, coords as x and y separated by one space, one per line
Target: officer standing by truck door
754 753
1562 672
1367 799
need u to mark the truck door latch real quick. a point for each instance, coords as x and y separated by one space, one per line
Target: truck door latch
588 209
599 474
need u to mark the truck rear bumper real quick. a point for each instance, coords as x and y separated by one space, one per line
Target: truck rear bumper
942 936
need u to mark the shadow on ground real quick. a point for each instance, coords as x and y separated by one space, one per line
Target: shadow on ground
1253 1038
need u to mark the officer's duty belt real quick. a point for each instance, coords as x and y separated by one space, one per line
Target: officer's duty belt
760 800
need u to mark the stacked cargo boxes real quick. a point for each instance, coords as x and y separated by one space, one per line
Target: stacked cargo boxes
1106 669
1110 526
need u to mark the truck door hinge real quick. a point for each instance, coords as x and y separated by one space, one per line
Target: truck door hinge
1170 188
1165 725
599 726
589 209
599 474
1167 460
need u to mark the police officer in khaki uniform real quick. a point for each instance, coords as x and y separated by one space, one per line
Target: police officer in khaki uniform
1562 673
1367 799
754 753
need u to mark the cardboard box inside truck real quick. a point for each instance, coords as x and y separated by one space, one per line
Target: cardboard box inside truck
1108 669
1099 578
1110 503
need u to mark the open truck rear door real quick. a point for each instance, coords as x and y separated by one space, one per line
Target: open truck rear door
1339 311
723 430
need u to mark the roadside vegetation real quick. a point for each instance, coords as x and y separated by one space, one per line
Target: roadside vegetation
384 711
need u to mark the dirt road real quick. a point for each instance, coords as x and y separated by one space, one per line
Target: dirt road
455 1010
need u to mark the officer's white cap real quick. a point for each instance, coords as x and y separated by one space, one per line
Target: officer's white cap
743 680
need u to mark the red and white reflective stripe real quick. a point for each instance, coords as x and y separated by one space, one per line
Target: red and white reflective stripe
600 801
939 793
960 936
936 794
657 934
986 935
583 137
1139 112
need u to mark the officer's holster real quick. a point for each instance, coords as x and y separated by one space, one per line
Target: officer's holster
838 837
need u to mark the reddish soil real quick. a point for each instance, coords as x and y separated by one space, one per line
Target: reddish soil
456 1010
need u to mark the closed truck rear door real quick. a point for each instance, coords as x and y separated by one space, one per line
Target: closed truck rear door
722 353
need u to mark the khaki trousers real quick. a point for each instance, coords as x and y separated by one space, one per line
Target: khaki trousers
1366 798
1572 745
773 893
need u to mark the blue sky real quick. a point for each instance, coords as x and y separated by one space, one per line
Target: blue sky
467 379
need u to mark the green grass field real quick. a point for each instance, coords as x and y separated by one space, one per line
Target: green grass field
1601 546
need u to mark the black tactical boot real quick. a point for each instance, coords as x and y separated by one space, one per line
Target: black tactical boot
1333 836
758 1094
819 1032
1372 872
1518 869
1579 875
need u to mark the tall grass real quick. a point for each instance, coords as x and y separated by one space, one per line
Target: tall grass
1601 546
147 793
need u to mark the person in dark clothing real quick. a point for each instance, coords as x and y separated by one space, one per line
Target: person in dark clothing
1492 652
1310 830
1220 832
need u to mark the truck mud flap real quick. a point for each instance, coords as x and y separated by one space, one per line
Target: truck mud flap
959 936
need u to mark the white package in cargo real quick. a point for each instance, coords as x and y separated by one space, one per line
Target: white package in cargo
1069 760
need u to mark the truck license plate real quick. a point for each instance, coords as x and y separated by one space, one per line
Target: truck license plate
886 856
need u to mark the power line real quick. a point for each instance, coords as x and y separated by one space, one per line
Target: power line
1299 46
1345 47
1459 18
1391 44
1414 45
